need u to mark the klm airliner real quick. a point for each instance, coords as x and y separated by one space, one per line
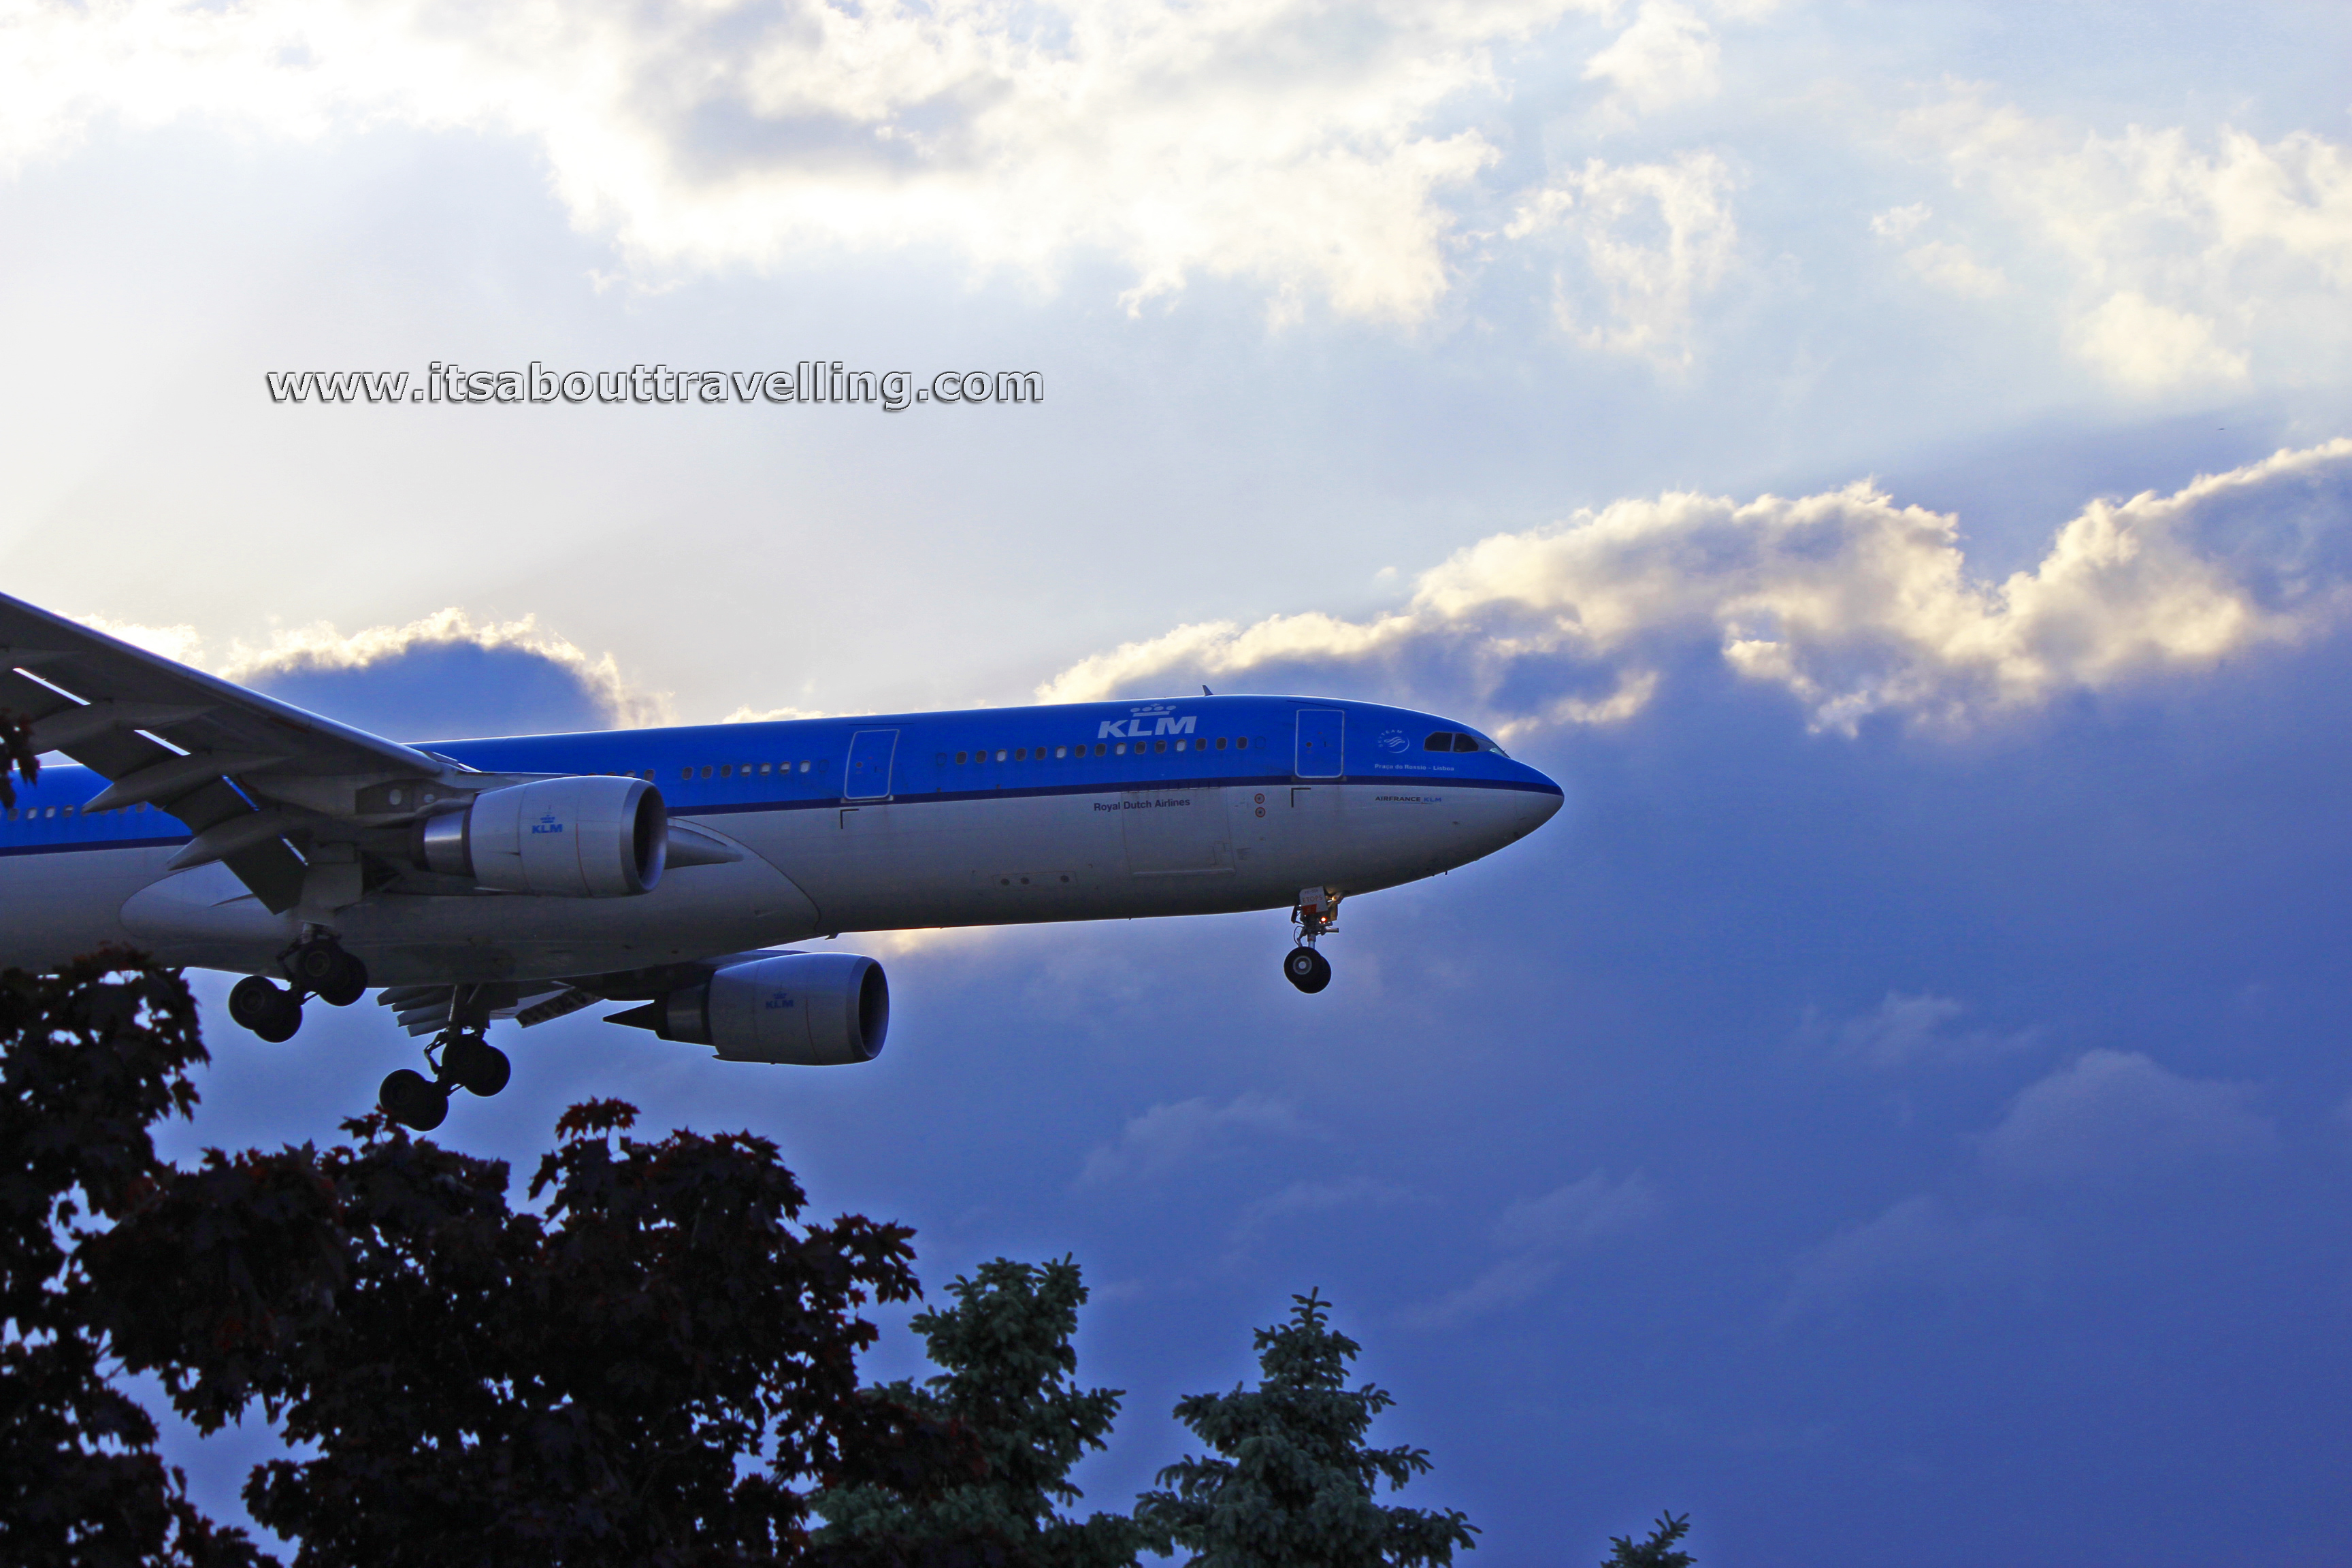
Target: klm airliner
527 878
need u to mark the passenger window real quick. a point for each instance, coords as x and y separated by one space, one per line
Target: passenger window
727 769
1000 753
962 757
1120 749
1159 745
1221 742
1098 748
1466 742
1061 751
1179 745
1020 754
1241 742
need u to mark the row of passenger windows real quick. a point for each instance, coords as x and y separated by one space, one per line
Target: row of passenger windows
1101 748
749 770
31 812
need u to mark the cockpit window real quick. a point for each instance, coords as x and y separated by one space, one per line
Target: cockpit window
1466 743
1441 741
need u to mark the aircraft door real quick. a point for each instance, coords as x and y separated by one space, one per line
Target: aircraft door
1321 753
869 774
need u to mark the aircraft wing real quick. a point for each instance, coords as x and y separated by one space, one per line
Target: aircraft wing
160 733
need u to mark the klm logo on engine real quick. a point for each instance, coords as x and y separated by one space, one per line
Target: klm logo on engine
1137 729
779 999
547 824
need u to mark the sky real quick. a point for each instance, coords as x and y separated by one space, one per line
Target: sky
1893 465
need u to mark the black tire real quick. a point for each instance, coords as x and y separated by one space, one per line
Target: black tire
252 1002
347 985
414 1101
1307 969
285 1017
316 964
476 1066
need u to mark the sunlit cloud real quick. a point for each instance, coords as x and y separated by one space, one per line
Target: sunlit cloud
2178 263
1302 148
1849 602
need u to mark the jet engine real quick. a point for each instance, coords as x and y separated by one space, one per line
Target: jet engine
589 836
795 1009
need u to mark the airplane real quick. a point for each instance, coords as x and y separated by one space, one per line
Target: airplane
529 877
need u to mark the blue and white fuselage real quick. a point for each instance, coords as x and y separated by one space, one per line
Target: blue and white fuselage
209 826
992 817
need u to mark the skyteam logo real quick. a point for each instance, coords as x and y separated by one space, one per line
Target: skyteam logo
547 824
1393 741
1148 722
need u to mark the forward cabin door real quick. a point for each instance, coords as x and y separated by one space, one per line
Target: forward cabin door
1319 743
870 752
1312 832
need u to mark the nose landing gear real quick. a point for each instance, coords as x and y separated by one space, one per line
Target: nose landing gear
1318 913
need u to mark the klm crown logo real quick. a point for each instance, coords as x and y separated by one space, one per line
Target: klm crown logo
547 824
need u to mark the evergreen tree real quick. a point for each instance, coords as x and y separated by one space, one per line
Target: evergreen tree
1007 1385
1658 1551
1294 1485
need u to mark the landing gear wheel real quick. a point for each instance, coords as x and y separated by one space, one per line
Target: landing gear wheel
348 983
337 977
1307 969
413 1100
268 1012
252 1002
474 1064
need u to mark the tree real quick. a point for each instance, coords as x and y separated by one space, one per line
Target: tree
1008 1384
93 1057
1658 1551
638 1375
1293 1487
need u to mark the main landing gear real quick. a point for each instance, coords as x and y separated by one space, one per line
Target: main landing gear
317 966
1318 913
467 1061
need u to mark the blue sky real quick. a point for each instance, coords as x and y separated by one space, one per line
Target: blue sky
1890 464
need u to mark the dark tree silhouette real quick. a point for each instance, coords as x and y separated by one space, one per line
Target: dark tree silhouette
1657 1551
1008 1382
1293 1487
90 1060
639 1374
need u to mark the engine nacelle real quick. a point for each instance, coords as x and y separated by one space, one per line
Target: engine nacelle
589 836
796 1009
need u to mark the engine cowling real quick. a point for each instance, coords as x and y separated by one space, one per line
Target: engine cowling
795 1009
589 836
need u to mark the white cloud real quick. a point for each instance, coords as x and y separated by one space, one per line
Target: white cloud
1903 1031
1298 145
1667 56
1654 238
318 647
1539 1236
2149 347
2179 267
2113 1114
1917 1247
1168 1136
1852 603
